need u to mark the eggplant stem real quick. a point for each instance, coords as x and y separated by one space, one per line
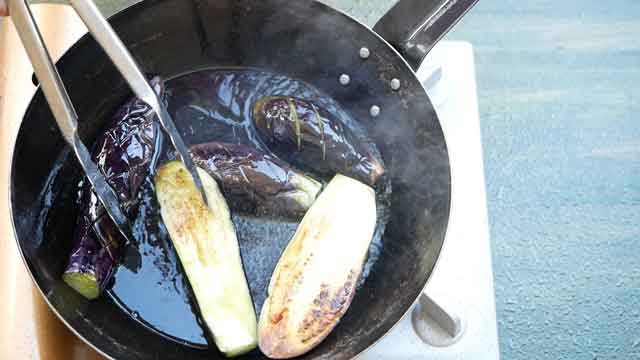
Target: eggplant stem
296 120
321 126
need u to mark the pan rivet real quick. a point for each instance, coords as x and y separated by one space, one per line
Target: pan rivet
374 111
364 53
395 84
345 79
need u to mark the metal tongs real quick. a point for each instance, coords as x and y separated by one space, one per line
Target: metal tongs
63 110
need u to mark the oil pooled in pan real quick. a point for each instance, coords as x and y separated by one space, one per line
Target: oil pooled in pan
216 105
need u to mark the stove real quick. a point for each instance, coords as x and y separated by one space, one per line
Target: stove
456 316
460 295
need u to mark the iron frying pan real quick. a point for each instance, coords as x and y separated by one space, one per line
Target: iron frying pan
301 39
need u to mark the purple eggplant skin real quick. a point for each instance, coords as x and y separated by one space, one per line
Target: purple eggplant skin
254 182
125 153
303 132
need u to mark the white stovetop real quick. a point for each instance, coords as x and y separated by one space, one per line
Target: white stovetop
463 279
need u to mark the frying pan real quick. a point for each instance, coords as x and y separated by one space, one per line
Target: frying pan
302 39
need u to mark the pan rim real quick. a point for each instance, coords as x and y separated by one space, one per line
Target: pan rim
141 3
438 257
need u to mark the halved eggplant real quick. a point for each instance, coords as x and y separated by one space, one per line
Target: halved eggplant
125 153
205 240
315 279
255 182
302 132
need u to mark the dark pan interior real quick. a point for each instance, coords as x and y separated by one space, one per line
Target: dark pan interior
301 39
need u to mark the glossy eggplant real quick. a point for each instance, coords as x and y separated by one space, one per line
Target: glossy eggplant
255 182
125 153
303 132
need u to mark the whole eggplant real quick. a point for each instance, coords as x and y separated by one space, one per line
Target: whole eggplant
256 182
303 132
125 153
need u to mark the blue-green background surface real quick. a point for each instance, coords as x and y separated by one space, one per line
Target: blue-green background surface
558 85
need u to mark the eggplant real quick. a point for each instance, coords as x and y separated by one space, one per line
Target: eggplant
305 133
125 153
206 243
255 182
315 279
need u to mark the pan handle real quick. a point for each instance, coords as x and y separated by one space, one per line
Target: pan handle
413 27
